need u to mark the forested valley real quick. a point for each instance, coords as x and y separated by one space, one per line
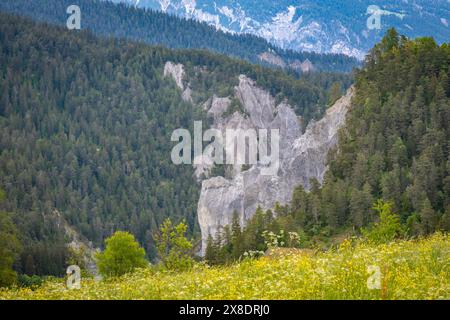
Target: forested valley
87 181
85 134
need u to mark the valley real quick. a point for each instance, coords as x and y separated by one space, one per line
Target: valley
223 152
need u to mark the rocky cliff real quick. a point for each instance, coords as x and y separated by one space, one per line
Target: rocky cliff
176 71
302 157
302 153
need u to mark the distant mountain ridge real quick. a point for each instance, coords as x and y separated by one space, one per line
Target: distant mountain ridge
326 26
123 21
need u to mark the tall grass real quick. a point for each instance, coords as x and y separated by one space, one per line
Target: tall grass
413 269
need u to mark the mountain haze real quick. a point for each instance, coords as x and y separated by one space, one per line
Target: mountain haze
122 21
326 26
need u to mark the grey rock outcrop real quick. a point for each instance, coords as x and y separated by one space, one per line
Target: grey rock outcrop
302 157
176 71
272 58
218 107
305 66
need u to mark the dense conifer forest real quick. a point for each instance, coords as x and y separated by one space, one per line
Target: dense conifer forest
86 118
85 133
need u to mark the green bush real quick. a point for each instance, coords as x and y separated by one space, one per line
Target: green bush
174 249
389 226
27 281
121 255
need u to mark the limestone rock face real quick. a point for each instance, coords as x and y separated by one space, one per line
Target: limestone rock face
187 95
218 107
275 60
302 157
305 66
259 104
176 71
272 58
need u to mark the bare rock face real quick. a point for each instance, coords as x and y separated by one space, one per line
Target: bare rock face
187 95
302 157
219 193
259 104
176 71
218 107
310 150
305 66
272 58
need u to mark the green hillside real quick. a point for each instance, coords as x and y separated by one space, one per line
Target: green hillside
85 126
394 147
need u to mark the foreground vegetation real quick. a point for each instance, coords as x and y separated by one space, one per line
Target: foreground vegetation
414 269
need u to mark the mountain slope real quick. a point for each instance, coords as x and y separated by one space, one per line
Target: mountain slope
320 26
85 127
394 147
303 157
105 18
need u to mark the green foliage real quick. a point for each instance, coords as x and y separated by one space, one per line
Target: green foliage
174 249
97 142
32 282
395 144
335 93
273 240
413 269
10 247
228 246
76 256
121 255
389 226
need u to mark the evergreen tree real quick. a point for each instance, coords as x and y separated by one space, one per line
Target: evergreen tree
9 247
174 249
